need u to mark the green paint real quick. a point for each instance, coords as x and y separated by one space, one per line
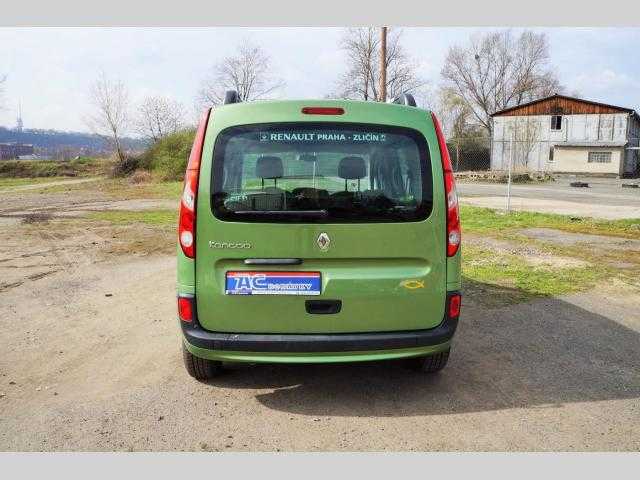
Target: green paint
365 265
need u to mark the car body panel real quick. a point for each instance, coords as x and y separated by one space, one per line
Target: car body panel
389 276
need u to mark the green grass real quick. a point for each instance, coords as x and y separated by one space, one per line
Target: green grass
123 189
487 221
45 168
8 182
510 278
168 190
505 270
158 218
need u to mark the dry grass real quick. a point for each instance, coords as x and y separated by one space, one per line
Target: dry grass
121 189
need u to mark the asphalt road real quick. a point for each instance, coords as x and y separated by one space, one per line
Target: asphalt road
604 198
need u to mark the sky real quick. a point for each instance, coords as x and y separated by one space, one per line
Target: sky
49 70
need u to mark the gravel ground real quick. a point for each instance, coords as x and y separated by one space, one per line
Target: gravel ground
91 361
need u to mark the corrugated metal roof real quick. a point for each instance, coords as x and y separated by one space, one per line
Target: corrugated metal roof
582 100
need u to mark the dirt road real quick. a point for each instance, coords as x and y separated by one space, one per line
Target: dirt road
90 360
84 371
40 185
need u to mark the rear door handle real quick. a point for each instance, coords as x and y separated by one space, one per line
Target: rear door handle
323 307
272 261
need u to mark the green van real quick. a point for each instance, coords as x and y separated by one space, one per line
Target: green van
318 231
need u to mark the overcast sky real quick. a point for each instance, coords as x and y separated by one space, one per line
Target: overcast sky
50 69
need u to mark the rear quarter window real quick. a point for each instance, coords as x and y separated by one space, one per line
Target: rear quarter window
321 173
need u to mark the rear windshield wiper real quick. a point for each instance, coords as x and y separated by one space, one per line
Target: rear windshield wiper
284 213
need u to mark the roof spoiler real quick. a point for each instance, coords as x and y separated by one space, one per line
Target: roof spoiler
405 99
231 96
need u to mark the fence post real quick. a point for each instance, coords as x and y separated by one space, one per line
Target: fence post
509 173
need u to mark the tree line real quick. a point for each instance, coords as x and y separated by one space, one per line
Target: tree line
489 72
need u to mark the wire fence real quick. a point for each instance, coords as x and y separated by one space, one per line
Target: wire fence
472 154
522 160
498 156
506 163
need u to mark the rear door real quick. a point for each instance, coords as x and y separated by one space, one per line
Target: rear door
352 203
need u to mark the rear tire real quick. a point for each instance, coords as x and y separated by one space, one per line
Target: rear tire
200 368
431 363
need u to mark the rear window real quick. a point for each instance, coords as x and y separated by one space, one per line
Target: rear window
324 173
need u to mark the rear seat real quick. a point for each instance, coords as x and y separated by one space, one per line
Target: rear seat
272 197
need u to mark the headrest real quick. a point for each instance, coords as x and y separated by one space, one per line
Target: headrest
308 157
269 167
351 168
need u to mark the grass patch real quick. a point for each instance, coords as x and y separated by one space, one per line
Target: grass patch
158 218
8 182
488 221
168 190
123 189
45 168
488 271
511 271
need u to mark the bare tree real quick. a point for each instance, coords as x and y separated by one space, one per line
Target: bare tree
464 135
455 117
110 101
159 116
361 80
526 135
497 70
249 72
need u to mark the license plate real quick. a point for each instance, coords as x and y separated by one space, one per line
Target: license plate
273 283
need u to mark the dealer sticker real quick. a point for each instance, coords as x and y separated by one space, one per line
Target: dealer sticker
323 136
273 283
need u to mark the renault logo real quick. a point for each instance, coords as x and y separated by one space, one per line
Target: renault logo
323 241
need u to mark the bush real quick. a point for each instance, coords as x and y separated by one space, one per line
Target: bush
140 176
167 158
125 167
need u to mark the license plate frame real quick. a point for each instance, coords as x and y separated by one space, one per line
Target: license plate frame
255 282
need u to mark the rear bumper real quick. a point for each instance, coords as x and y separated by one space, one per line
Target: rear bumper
201 339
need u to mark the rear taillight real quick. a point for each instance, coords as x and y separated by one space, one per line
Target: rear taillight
187 218
453 308
453 213
323 110
186 309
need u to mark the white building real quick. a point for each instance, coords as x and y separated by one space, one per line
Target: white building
565 134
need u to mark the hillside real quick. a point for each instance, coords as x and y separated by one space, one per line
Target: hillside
49 141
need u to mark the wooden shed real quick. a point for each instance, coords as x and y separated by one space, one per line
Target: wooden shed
567 134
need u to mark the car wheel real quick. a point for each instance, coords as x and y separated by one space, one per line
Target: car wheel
431 363
200 368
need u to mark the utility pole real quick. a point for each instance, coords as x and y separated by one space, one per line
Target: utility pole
383 64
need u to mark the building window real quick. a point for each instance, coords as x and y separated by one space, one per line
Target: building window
599 157
551 153
556 122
